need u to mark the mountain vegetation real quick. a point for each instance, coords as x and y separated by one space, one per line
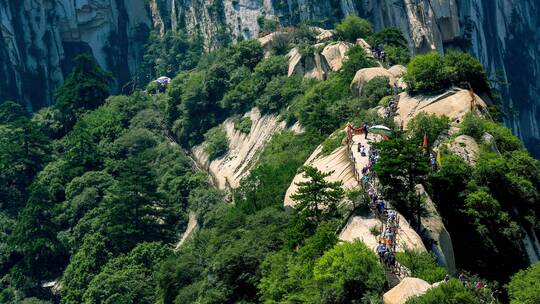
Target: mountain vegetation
95 191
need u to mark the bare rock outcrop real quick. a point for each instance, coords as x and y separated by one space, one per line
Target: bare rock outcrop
271 40
363 76
363 44
358 227
311 66
361 227
192 226
337 162
433 229
465 147
335 54
243 149
397 70
406 289
454 104
323 35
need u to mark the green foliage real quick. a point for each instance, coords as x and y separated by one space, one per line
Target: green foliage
524 286
472 126
385 101
221 263
6 227
463 67
24 150
316 198
397 55
243 125
389 36
83 267
281 43
300 271
11 112
271 67
451 292
333 142
306 50
203 200
216 143
267 25
394 45
401 166
324 107
430 125
242 96
116 176
348 272
487 214
433 72
422 265
304 35
268 181
352 28
427 73
374 90
197 111
48 120
321 272
279 93
85 88
357 59
90 205
247 53
506 141
129 278
478 204
475 126
168 54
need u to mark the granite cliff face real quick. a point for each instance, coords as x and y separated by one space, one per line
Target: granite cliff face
39 38
501 33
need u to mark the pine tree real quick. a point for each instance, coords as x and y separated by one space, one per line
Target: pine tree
317 198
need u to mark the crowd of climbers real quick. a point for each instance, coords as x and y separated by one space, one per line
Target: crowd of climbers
386 248
391 109
387 241
378 53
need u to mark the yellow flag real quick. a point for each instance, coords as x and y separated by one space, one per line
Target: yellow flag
439 158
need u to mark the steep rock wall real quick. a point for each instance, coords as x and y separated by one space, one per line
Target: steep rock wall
39 37
501 33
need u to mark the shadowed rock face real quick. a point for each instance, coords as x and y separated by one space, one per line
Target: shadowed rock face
40 37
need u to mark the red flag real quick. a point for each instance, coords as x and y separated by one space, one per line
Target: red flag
425 141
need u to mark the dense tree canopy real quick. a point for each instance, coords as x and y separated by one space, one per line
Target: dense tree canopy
524 286
353 27
85 88
95 191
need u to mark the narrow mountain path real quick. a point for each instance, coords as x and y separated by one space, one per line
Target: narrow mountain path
191 227
396 273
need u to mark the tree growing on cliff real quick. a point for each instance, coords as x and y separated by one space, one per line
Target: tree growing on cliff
353 27
433 72
401 166
317 198
85 88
